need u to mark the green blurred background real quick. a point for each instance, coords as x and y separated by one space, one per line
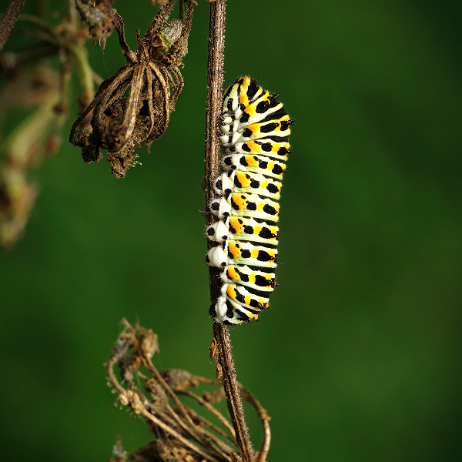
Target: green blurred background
360 359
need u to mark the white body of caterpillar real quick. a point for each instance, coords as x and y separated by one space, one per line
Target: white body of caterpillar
255 134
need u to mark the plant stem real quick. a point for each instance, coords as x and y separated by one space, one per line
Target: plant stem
212 151
8 20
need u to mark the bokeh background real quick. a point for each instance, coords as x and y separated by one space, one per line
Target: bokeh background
360 359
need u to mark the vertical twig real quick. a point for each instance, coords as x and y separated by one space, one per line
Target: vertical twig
9 19
212 150
233 397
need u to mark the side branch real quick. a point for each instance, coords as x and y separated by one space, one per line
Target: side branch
221 350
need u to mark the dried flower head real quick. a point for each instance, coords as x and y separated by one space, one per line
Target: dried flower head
120 124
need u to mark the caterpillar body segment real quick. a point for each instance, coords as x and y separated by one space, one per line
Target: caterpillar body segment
238 95
246 205
247 276
247 298
258 164
245 229
266 147
239 181
247 253
255 131
249 229
266 108
242 253
275 131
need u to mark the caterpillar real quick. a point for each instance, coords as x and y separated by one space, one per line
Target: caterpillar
255 131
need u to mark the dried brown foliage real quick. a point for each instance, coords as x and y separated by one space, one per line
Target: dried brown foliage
181 434
120 123
32 83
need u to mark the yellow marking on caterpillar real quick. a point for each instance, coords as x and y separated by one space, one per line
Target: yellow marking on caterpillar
252 278
254 253
254 147
250 110
260 205
257 229
251 161
243 179
235 252
270 166
247 299
275 147
233 274
236 225
263 184
243 98
231 292
239 200
254 128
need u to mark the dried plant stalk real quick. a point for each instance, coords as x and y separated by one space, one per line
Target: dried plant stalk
9 18
220 348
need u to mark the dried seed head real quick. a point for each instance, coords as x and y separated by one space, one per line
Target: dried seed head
121 123
98 15
149 343
173 422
